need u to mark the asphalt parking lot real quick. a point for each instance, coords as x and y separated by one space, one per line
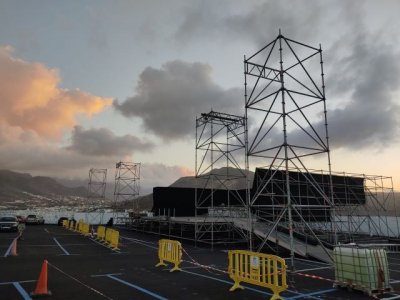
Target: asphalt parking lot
80 268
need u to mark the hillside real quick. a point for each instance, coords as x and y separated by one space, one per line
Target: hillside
17 190
237 182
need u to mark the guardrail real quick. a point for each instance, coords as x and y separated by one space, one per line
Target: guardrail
112 238
169 251
108 236
259 269
101 233
65 223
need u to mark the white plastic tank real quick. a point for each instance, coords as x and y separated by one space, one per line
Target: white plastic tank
364 269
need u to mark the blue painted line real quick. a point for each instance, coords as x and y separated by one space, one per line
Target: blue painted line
105 275
227 282
137 287
11 282
62 248
246 287
313 294
22 292
8 250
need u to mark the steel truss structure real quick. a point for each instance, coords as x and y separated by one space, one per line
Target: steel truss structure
219 166
96 195
374 220
285 107
287 131
127 187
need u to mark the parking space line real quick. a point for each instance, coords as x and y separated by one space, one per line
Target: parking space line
9 249
312 294
21 290
141 242
62 248
246 287
105 275
136 287
11 282
105 246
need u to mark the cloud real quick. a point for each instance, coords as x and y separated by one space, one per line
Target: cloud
103 142
158 174
370 74
361 57
169 99
255 23
32 100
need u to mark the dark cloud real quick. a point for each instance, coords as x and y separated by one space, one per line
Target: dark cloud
361 60
256 25
370 74
103 142
169 99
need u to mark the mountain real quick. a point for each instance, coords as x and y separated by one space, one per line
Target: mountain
17 190
237 181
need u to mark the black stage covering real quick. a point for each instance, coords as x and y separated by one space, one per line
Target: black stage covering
307 188
304 189
179 202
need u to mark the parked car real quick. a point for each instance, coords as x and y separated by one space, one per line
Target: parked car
34 219
60 221
8 223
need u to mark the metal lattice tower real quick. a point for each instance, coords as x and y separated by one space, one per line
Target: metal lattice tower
127 186
220 148
287 125
96 195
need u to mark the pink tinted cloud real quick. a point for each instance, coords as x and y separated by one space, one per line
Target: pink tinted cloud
32 99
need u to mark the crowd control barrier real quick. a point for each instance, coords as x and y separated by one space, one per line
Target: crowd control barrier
170 251
65 223
259 269
109 237
85 228
78 226
112 238
101 233
71 225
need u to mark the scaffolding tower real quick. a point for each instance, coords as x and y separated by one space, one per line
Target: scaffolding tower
96 196
285 109
220 149
127 188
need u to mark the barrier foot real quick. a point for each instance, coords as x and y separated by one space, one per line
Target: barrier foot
161 263
236 286
276 296
175 268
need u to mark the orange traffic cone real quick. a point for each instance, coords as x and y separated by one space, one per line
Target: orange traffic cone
13 251
41 287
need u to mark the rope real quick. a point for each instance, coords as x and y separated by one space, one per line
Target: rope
205 267
80 282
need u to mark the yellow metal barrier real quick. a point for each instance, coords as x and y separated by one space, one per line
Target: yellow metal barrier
114 240
65 223
85 229
260 269
108 235
170 251
77 226
101 233
72 225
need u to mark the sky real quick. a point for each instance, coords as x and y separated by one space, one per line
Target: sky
85 84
